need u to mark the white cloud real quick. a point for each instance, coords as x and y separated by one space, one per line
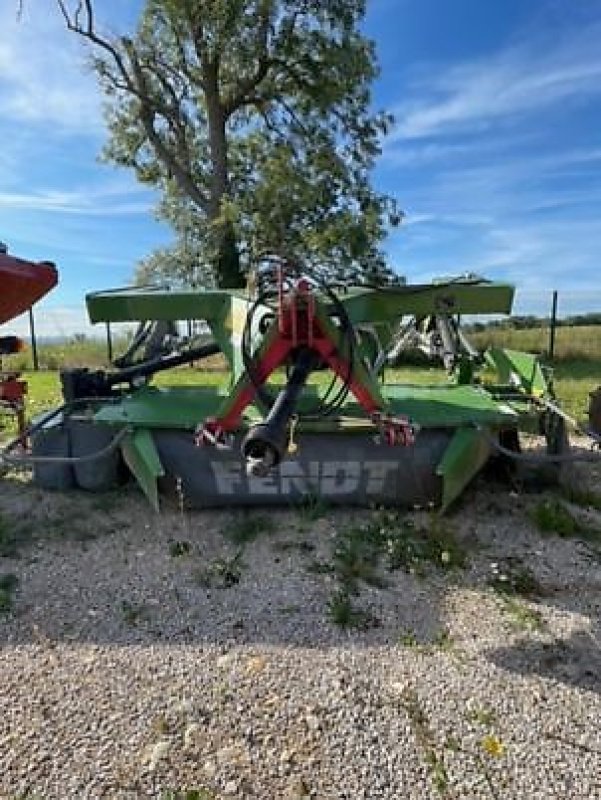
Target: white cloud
519 80
42 75
94 202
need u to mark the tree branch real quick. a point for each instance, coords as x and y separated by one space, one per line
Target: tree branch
135 83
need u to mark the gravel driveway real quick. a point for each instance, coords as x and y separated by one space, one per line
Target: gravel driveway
196 655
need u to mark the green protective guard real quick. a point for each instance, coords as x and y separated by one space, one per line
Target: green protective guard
141 457
522 370
465 456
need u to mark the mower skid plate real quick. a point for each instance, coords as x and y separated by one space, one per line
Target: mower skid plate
341 469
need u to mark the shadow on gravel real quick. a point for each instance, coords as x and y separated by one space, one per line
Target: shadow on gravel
575 661
104 569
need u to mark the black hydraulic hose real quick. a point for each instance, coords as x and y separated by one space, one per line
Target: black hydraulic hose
161 363
28 460
540 458
48 417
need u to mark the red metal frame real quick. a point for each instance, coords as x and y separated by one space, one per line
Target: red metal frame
298 325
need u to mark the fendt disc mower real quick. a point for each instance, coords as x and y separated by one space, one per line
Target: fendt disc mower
308 408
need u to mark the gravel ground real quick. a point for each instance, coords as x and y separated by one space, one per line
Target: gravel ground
141 659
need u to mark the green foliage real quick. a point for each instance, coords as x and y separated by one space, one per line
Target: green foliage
8 585
408 639
513 577
355 558
244 528
552 516
134 613
253 119
415 549
8 538
312 508
178 549
482 715
222 572
187 794
522 616
582 496
343 613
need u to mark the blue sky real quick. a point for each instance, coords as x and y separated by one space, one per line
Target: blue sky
495 155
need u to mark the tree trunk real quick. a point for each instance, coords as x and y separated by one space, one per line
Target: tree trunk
229 273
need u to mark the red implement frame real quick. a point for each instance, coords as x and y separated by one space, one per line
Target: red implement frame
303 322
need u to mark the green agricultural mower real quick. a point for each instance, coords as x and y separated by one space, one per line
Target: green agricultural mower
308 408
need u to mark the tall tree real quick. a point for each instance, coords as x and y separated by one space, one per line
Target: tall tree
253 119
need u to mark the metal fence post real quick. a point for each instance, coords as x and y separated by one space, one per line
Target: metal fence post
34 344
109 342
553 326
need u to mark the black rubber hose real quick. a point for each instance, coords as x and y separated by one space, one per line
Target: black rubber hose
162 363
540 458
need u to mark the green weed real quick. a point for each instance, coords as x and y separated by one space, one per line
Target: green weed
342 612
222 572
8 585
417 550
513 577
522 616
133 614
312 508
179 549
551 516
426 740
245 528
482 716
582 497
408 639
8 539
355 558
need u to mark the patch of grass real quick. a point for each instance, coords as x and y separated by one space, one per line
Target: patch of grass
133 614
514 578
427 741
222 572
482 716
408 639
299 545
442 640
245 528
8 585
312 508
582 497
551 516
8 539
343 613
416 550
178 549
187 794
356 557
522 616
321 567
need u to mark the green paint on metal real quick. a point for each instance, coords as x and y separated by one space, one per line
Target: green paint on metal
224 311
373 306
141 457
448 406
465 456
522 370
183 407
